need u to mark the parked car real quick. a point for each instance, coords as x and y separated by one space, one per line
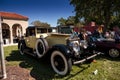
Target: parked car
63 51
107 46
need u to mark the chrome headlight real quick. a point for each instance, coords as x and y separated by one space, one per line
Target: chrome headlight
76 46
83 44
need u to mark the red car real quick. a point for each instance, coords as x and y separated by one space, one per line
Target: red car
109 46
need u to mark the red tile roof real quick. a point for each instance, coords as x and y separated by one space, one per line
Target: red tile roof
10 15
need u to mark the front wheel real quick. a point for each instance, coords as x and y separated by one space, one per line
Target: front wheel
60 64
114 53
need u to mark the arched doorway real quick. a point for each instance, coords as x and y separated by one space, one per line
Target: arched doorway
6 33
17 32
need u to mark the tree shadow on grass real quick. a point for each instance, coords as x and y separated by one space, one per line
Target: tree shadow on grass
82 68
40 69
15 56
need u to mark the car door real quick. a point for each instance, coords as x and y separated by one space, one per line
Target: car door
32 41
104 45
30 38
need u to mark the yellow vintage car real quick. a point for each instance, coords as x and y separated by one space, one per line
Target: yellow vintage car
63 50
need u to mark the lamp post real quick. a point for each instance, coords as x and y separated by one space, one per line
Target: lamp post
3 68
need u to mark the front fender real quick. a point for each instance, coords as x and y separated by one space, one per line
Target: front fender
63 48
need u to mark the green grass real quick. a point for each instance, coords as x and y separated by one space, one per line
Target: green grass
108 69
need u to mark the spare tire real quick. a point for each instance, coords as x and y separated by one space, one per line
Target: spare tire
41 47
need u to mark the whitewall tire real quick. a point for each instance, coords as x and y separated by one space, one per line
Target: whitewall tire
60 64
41 47
21 49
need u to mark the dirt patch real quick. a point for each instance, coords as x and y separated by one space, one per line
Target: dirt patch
17 73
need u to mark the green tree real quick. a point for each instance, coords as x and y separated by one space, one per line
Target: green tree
99 10
70 20
61 21
41 24
64 22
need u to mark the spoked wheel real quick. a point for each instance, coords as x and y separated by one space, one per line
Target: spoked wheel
21 49
114 53
60 64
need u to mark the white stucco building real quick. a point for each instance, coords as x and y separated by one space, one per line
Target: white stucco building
13 26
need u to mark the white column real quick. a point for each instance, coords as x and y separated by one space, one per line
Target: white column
11 35
2 60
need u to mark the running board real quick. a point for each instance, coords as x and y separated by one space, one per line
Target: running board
83 60
29 53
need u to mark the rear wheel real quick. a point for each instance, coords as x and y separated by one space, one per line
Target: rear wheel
60 64
114 53
21 48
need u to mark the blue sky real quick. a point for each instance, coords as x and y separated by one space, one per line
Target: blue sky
44 10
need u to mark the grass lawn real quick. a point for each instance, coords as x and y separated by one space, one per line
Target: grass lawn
108 69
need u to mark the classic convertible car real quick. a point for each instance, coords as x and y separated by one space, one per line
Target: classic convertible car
63 50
